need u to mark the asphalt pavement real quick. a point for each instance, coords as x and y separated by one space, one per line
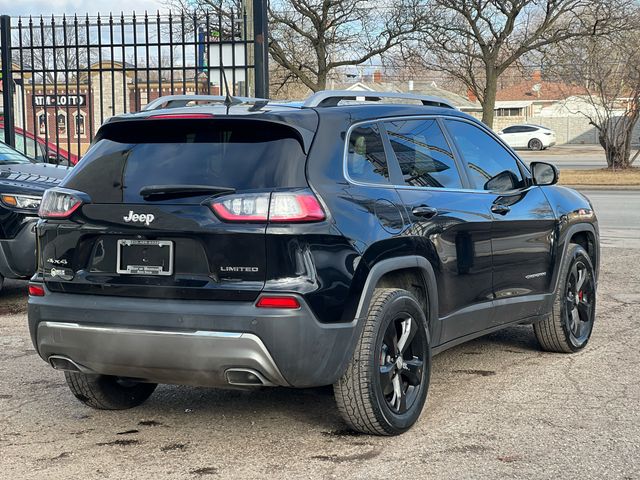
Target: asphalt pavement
498 407
569 157
618 213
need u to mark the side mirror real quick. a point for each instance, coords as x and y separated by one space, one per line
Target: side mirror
544 173
502 182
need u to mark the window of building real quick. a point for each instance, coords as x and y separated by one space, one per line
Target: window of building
61 122
42 123
509 112
79 121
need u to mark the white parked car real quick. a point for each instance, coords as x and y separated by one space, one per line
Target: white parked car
533 137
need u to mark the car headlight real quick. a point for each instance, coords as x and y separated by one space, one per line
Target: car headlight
21 202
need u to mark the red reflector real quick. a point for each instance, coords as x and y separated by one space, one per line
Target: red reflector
180 116
36 291
278 302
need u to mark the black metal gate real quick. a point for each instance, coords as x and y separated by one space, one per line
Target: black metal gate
63 76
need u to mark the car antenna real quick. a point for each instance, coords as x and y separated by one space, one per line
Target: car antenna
229 100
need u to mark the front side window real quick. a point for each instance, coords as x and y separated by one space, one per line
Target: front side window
423 154
366 160
489 164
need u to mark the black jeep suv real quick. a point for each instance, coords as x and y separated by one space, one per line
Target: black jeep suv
22 183
335 241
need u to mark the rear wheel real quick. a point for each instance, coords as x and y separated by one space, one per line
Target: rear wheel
568 327
105 392
535 144
385 385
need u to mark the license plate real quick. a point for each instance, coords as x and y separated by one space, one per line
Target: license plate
145 257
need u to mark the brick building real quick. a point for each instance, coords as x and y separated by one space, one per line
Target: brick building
70 112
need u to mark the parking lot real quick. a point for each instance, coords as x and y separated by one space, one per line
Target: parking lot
497 408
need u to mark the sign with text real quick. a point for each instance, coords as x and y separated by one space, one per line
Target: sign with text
60 100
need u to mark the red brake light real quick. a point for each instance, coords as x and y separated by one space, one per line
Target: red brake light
36 290
278 207
58 204
278 302
180 116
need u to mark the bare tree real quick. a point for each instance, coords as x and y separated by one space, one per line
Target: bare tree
607 70
476 41
312 39
49 48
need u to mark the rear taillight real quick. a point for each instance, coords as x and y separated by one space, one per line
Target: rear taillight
269 301
36 290
277 207
58 204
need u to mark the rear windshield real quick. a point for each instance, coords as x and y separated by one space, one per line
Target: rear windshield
243 155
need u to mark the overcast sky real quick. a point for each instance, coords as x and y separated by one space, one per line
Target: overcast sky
48 7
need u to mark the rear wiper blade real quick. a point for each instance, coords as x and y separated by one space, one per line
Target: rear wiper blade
176 191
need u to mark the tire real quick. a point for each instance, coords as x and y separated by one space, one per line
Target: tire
535 144
362 394
105 392
575 294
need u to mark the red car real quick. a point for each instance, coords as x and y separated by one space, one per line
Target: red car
40 150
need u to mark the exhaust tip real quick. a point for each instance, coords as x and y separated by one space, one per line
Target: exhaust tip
63 363
245 377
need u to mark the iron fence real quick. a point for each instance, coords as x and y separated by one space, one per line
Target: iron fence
63 76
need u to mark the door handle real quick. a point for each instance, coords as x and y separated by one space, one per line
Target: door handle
500 209
424 211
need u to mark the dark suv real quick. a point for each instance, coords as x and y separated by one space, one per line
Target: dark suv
22 183
336 241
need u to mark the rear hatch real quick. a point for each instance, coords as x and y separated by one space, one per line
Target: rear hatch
146 226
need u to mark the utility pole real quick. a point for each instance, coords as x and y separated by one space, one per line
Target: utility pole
261 47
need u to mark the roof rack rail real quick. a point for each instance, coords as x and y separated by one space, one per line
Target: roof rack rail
178 101
331 98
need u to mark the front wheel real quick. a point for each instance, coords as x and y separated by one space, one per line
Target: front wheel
385 386
535 144
570 323
105 392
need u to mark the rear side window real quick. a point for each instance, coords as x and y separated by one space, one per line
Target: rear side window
366 160
224 153
423 154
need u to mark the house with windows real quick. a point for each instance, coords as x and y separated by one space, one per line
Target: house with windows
554 105
377 84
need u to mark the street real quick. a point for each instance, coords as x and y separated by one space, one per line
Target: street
569 157
618 214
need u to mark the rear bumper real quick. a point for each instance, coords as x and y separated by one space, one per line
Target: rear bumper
162 356
18 254
189 342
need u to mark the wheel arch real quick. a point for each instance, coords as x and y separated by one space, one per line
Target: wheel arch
585 235
413 273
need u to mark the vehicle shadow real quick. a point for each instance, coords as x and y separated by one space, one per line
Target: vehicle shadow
316 408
